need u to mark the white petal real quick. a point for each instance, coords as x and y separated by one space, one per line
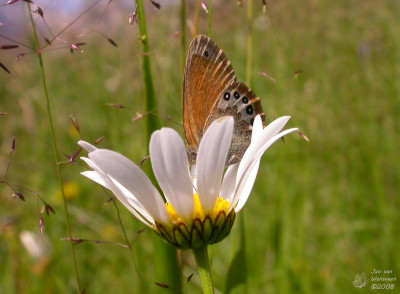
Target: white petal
129 200
257 128
94 176
211 159
87 146
258 141
248 186
193 178
123 195
261 151
133 179
248 170
170 165
193 171
228 184
271 130
261 138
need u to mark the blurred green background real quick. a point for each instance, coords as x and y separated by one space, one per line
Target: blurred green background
320 212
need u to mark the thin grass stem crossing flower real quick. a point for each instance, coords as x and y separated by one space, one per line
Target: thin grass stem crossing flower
201 201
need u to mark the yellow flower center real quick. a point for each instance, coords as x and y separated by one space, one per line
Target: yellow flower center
221 205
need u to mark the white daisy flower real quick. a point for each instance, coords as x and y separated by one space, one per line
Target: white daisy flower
201 203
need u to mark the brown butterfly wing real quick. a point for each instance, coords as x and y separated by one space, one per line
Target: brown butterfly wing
239 101
210 90
207 73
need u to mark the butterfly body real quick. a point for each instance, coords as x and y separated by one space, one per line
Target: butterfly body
210 91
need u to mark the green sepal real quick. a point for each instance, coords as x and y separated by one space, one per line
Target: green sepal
198 233
198 225
197 240
207 229
182 236
226 229
165 233
220 221
216 230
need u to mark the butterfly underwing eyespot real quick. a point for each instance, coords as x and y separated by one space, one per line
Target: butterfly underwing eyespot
249 110
208 88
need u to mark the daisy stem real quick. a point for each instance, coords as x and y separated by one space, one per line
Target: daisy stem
203 265
55 150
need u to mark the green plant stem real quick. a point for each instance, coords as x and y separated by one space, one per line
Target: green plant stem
249 41
209 17
165 258
183 35
196 17
203 265
55 150
152 122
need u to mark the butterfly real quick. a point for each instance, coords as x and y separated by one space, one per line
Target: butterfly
210 91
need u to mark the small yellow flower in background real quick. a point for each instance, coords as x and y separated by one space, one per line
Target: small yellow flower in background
201 201
73 132
71 191
108 232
